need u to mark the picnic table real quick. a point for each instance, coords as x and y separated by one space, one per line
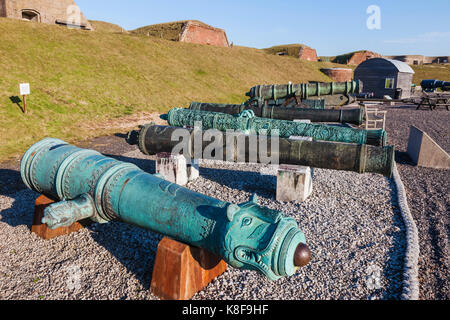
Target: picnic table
434 100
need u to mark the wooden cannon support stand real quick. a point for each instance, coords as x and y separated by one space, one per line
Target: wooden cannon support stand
179 272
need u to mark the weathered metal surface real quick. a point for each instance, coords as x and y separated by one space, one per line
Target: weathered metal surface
354 116
153 139
304 90
315 104
89 184
432 85
247 122
336 100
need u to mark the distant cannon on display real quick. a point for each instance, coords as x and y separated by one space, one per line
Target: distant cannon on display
433 85
353 116
90 185
154 139
247 122
334 93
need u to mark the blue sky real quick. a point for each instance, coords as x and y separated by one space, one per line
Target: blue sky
331 27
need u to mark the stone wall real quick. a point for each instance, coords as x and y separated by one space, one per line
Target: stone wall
339 74
47 11
419 59
194 32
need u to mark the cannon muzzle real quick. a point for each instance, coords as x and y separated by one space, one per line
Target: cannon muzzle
90 185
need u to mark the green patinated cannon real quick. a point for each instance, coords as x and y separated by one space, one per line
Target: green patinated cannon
153 139
353 116
247 122
304 90
333 94
90 185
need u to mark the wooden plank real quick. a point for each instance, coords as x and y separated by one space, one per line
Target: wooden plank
180 270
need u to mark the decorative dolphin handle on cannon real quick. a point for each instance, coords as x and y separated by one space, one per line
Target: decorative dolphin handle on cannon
90 185
353 116
153 139
247 122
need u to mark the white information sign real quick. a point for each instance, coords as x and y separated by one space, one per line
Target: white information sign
24 89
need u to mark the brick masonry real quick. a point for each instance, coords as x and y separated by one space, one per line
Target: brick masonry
359 57
339 74
194 32
48 11
309 54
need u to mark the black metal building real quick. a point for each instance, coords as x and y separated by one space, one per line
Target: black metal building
385 77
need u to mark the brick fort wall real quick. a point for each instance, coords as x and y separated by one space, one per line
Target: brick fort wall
309 54
203 34
360 57
339 74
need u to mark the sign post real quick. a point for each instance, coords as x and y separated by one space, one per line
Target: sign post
24 91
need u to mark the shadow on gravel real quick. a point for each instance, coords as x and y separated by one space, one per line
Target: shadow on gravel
15 216
247 181
403 158
10 182
393 269
133 247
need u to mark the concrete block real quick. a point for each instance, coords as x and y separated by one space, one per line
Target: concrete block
193 170
294 183
391 103
425 152
172 168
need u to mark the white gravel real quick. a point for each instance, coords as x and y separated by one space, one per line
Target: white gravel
351 223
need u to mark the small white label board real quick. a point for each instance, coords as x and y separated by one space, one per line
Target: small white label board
24 89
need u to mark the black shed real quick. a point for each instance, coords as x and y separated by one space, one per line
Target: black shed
385 77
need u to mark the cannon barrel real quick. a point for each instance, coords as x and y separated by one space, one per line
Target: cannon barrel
93 186
247 122
153 139
353 116
304 90
431 85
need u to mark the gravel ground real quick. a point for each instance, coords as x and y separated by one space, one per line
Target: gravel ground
428 195
351 222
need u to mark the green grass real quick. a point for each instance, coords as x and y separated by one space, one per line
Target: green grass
101 26
80 79
431 71
291 50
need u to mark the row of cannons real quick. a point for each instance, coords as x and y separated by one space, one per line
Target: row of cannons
88 185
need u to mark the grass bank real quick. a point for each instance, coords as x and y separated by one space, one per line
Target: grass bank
81 77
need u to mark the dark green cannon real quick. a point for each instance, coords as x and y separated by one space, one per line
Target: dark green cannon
353 116
247 122
90 185
432 85
334 93
153 139
304 90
